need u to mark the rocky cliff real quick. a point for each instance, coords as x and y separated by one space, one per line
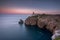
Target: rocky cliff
50 22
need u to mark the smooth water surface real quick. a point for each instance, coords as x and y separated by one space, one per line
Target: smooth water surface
11 30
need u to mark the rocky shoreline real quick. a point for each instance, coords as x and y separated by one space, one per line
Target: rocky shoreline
50 22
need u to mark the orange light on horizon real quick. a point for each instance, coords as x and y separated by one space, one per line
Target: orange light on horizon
16 10
27 11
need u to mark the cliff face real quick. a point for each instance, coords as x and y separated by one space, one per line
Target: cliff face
27 21
31 21
50 22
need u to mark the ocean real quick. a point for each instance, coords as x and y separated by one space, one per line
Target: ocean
11 30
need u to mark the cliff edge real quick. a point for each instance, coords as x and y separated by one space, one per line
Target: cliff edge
50 22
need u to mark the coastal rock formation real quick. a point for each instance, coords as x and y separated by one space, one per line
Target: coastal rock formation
31 21
51 26
40 23
21 21
27 21
50 22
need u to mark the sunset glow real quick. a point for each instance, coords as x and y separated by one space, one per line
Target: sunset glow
28 7
16 10
26 11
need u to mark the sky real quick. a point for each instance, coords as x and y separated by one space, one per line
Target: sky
29 6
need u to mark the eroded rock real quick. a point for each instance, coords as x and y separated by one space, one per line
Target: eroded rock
52 22
31 21
27 21
21 21
51 26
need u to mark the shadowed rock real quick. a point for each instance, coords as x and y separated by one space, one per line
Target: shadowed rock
21 21
51 26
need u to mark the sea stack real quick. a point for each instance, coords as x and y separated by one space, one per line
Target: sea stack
21 21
